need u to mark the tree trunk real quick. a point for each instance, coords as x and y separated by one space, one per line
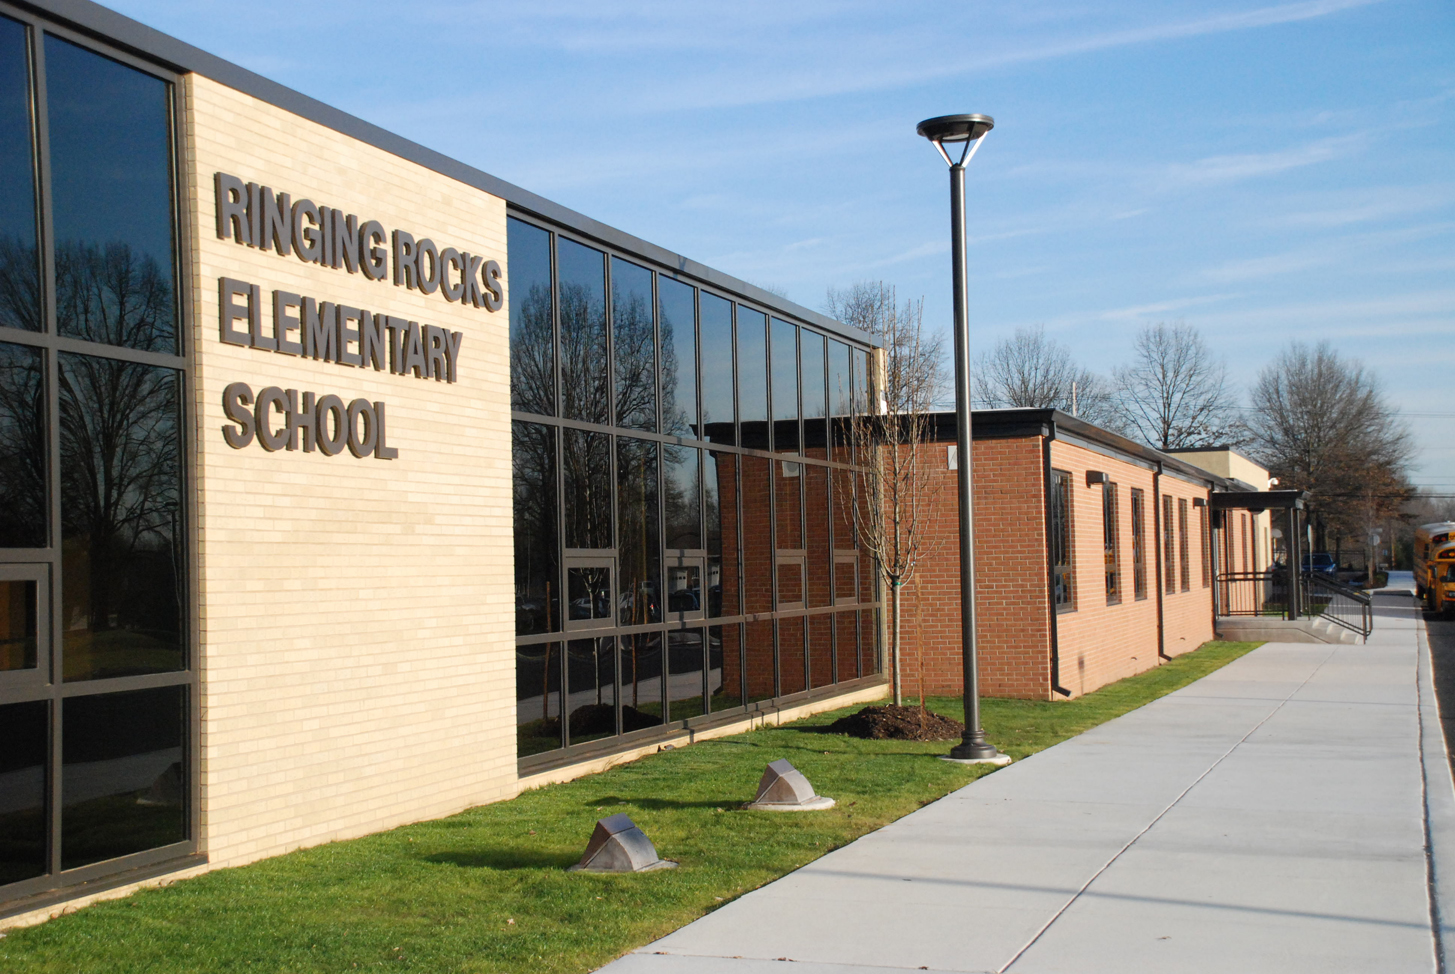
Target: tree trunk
894 639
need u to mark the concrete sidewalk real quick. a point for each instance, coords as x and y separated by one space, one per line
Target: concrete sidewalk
1270 817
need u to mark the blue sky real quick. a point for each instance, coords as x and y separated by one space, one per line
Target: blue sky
1266 172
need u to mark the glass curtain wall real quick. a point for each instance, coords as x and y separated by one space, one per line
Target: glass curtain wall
97 688
680 545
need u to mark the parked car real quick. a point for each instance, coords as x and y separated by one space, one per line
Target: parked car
1320 563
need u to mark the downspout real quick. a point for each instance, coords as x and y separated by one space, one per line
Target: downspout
1157 546
1215 566
1056 686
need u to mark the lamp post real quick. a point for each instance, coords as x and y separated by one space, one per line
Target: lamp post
967 131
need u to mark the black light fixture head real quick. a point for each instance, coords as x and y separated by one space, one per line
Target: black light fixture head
955 128
962 130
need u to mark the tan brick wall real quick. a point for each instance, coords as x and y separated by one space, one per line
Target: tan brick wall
356 614
1186 614
1100 642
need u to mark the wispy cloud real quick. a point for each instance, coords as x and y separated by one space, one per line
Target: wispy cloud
1232 168
1370 204
1323 252
1143 311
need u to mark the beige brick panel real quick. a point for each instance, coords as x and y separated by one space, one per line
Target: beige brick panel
357 646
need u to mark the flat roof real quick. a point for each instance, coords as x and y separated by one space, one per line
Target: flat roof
1045 422
136 38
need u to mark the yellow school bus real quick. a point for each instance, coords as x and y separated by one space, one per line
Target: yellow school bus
1426 537
1440 580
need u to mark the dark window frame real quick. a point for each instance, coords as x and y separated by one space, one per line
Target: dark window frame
1111 542
58 884
1139 543
866 643
1204 545
1184 553
1062 535
1169 548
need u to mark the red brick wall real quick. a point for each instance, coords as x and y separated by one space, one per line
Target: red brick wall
1013 629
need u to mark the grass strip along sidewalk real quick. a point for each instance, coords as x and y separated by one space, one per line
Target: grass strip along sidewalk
486 890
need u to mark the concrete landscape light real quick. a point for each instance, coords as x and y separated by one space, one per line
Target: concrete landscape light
783 788
967 131
618 846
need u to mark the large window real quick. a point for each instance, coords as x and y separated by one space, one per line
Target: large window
1110 536
1139 543
97 684
680 550
1062 569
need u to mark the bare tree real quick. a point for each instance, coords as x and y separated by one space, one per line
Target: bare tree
1175 394
893 505
1321 424
872 306
1031 371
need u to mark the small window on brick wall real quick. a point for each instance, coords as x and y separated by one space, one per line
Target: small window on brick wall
1205 547
1184 561
1061 554
1139 543
1110 538
1169 550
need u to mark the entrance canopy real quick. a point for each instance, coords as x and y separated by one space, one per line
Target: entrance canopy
1258 501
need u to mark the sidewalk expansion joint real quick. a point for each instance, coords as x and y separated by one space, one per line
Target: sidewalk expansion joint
1170 805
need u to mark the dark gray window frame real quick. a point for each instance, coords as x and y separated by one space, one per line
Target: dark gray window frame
1169 547
1111 542
58 885
1061 531
1139 543
1184 553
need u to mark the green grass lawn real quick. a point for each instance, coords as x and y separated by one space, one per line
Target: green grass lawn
486 890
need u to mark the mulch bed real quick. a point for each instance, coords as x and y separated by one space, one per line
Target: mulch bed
891 723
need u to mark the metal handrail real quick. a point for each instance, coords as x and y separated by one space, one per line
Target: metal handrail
1338 603
1266 593
1253 594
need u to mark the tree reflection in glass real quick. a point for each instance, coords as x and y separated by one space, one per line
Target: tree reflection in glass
121 518
532 339
639 530
111 195
537 568
681 498
677 324
634 344
585 387
19 267
587 461
22 448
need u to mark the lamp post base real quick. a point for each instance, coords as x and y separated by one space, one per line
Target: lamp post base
976 750
999 760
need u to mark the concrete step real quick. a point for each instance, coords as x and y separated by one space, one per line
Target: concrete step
1273 630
